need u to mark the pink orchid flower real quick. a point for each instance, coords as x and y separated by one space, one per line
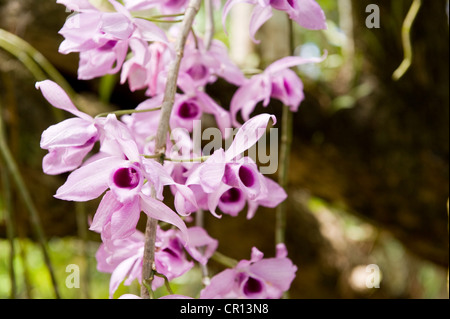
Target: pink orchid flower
307 13
69 141
277 81
229 180
102 38
257 278
123 257
123 171
145 69
201 66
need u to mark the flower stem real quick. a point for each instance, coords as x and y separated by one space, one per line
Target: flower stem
224 260
283 177
161 137
126 112
285 152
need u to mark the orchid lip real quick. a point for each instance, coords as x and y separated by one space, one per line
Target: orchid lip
252 286
108 45
246 176
126 177
198 72
233 195
188 110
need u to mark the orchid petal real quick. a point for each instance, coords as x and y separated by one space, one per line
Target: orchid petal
248 135
120 273
71 132
260 16
221 284
308 14
158 210
56 96
280 272
291 61
88 182
124 220
199 238
106 208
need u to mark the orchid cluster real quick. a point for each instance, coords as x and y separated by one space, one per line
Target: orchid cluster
119 37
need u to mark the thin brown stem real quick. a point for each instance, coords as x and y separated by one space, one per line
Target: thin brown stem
209 24
161 139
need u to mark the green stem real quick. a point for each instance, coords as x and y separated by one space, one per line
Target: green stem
164 21
178 160
24 193
285 152
406 40
126 112
283 172
166 282
224 260
9 226
162 16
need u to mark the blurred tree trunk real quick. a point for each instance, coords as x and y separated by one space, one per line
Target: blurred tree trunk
387 157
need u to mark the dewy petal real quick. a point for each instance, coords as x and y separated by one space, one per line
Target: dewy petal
248 135
56 96
88 182
158 210
260 16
